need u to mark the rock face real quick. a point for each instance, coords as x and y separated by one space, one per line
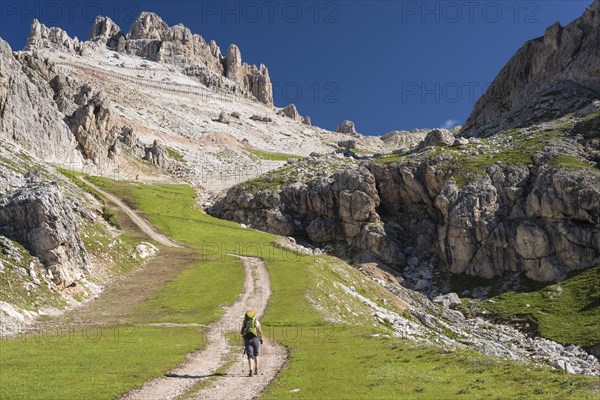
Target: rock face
548 77
106 32
256 80
542 221
28 114
346 127
93 128
42 220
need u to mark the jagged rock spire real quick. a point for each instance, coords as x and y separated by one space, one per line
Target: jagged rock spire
148 26
105 31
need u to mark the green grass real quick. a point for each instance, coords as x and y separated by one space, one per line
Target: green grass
99 242
343 360
191 297
567 161
175 155
111 218
345 363
572 316
269 156
78 362
351 361
73 177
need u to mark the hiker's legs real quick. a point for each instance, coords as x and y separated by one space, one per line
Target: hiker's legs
256 351
250 352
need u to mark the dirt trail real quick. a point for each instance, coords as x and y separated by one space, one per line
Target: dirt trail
203 364
139 221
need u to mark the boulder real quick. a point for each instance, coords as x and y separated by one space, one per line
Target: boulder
450 300
439 137
223 118
346 127
347 144
291 112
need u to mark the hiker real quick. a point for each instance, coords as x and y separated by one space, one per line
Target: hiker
252 333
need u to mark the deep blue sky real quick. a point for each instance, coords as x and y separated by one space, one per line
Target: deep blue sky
386 65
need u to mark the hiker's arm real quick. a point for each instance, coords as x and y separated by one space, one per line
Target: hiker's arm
260 332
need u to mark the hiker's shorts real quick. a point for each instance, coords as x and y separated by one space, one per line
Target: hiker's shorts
252 346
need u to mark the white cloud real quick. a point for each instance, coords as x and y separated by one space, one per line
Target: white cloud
450 123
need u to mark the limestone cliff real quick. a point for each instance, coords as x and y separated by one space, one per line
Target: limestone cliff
28 115
548 77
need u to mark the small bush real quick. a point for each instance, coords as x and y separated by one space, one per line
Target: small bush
111 218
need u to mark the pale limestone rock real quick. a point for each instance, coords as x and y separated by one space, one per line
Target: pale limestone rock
51 38
439 137
106 32
30 117
291 112
346 127
549 76
41 219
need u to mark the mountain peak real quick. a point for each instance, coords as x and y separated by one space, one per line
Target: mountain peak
148 26
54 38
565 57
106 31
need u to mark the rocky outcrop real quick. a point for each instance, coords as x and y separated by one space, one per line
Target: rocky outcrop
105 32
341 208
157 154
41 219
346 127
548 77
52 38
259 84
93 127
28 114
291 112
541 221
233 64
255 80
148 26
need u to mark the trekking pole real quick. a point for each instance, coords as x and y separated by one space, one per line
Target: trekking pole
243 354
